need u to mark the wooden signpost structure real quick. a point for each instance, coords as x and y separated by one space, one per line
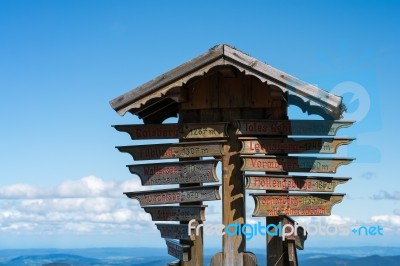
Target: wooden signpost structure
232 111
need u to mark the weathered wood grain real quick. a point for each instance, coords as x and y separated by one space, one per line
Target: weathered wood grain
311 204
290 127
178 250
175 131
293 183
176 231
293 164
174 150
177 213
176 195
292 145
186 172
298 237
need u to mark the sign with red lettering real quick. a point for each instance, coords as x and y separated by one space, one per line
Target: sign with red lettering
276 204
175 150
300 183
177 213
292 145
176 195
175 131
293 164
186 172
290 127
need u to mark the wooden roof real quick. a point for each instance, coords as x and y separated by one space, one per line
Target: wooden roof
308 97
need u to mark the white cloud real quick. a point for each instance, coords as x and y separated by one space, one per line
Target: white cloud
78 227
92 186
333 219
86 187
368 175
389 223
391 220
385 195
92 205
87 205
16 191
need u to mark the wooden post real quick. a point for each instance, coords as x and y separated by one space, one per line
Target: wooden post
196 246
292 254
275 246
233 207
276 255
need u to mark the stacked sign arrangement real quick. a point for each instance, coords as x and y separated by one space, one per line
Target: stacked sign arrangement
233 108
265 145
190 172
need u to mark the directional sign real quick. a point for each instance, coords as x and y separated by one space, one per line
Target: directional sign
292 145
176 231
179 251
275 204
176 195
175 131
175 150
290 127
298 237
177 213
187 172
301 183
293 164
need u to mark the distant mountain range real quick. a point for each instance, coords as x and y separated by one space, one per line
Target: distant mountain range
342 256
374 260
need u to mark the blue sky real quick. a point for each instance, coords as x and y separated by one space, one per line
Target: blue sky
62 61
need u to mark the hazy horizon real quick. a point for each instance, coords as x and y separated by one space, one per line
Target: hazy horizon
61 178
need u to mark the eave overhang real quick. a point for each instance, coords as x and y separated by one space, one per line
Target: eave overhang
165 87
